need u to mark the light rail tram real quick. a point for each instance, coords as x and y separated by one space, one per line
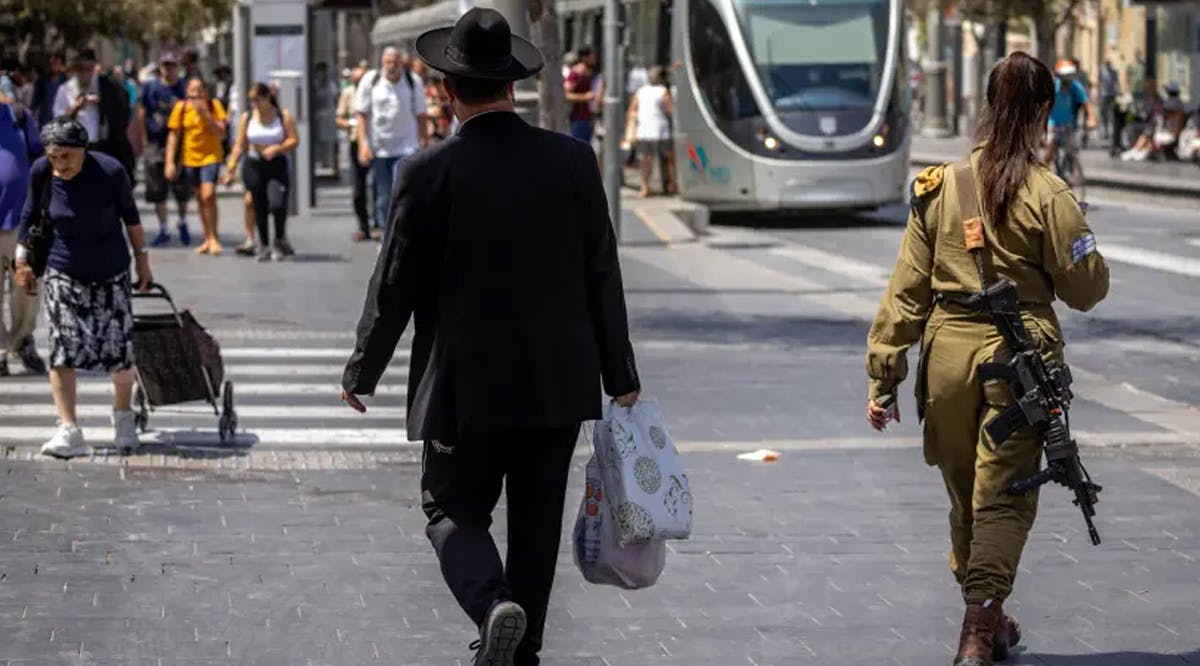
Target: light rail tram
784 105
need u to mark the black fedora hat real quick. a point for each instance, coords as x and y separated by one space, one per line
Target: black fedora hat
480 46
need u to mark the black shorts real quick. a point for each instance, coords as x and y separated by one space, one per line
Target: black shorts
157 185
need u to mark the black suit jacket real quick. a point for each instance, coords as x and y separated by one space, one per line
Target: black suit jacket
500 245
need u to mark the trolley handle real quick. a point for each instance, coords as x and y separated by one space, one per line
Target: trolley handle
156 290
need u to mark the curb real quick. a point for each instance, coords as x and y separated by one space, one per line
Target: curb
1104 179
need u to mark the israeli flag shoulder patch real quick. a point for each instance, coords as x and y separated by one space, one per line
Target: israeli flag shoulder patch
1081 248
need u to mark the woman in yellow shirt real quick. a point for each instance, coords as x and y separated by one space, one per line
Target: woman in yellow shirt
197 125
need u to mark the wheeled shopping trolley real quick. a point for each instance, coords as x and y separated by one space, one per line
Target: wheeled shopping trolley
177 361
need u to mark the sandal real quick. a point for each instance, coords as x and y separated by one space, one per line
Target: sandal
246 249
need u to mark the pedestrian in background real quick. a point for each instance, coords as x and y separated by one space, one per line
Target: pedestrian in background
159 96
1109 88
650 116
1035 236
347 120
266 135
88 203
501 244
46 90
581 93
197 126
101 106
19 147
390 107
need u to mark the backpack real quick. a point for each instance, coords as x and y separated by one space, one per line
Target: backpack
412 90
407 78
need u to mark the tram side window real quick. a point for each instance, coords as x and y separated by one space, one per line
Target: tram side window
719 76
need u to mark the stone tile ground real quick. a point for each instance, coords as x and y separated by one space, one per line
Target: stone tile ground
823 558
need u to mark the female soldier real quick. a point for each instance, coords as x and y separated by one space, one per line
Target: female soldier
1035 235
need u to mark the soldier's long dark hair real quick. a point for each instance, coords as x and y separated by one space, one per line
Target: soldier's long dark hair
1019 93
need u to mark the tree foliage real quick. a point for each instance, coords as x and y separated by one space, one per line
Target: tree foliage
1046 16
57 23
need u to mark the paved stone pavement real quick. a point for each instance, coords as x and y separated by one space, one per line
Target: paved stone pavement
826 557
294 550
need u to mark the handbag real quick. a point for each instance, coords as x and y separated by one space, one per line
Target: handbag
41 232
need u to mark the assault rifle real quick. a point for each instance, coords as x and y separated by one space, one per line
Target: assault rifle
1043 397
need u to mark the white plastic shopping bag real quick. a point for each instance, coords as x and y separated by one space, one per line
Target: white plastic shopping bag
643 474
599 556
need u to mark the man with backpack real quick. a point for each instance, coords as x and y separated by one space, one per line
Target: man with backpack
19 147
390 106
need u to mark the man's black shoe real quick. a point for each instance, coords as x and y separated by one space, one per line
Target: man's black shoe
29 358
501 633
4 367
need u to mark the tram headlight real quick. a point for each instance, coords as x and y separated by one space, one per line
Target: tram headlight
771 143
880 140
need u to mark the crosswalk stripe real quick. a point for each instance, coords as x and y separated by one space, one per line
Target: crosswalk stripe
280 391
318 353
335 411
249 436
1161 261
287 370
103 387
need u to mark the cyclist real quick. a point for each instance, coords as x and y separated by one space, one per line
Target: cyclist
1069 97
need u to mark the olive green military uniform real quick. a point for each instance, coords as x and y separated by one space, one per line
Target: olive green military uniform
1047 250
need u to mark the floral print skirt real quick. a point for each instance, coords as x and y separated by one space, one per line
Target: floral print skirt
91 323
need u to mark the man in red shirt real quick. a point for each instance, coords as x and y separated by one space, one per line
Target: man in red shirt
578 87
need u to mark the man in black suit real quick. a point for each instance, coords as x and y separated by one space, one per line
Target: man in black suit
500 245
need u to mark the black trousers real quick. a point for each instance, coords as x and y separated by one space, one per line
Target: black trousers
268 183
358 174
460 486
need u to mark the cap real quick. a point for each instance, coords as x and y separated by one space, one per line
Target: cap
85 54
1172 87
1065 68
347 72
168 57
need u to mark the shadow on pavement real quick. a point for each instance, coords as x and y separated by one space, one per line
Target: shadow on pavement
724 327
1113 658
888 216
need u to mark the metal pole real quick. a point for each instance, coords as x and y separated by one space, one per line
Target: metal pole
614 125
935 77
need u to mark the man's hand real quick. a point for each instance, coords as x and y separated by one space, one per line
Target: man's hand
629 399
365 155
25 278
144 275
354 402
171 171
879 416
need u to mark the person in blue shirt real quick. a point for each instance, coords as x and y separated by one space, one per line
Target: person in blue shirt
1069 96
158 98
19 147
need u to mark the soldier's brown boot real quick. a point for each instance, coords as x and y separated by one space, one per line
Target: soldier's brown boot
978 638
1008 635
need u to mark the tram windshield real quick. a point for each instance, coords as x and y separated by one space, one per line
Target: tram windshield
817 55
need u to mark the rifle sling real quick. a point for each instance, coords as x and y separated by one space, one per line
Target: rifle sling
974 228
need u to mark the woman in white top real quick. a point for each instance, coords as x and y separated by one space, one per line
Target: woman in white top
266 134
650 115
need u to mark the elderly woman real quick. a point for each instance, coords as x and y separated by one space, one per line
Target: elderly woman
86 201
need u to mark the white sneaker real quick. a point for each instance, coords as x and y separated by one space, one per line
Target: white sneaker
66 443
125 428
